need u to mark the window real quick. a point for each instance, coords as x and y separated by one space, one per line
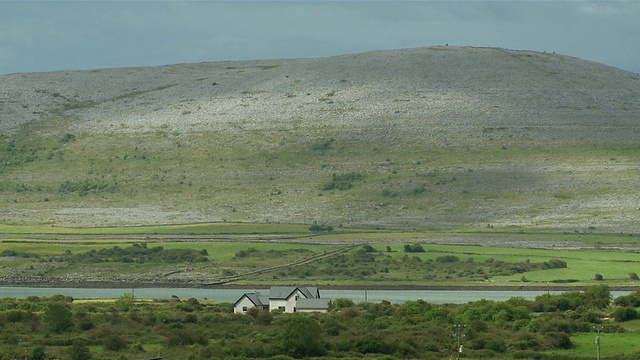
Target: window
244 309
281 308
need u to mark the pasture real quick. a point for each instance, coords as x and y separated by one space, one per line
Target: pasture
232 253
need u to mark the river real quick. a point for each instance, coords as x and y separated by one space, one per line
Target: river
231 295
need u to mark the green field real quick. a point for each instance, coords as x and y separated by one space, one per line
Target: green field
243 254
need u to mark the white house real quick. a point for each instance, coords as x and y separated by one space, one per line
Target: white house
288 299
251 300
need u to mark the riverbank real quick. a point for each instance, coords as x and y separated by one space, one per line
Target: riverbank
203 286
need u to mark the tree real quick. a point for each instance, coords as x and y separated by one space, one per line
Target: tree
302 337
342 303
368 248
114 343
413 248
597 296
625 314
79 351
38 353
124 302
58 317
320 228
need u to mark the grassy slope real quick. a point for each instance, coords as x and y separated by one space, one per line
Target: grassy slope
463 146
441 137
408 184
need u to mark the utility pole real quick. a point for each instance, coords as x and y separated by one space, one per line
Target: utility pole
458 334
598 341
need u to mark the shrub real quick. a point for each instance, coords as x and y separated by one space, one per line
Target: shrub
124 302
597 296
114 343
342 182
447 259
558 340
302 337
264 318
342 303
599 277
632 300
38 353
413 248
181 337
625 314
58 317
374 344
79 351
555 264
320 228
368 248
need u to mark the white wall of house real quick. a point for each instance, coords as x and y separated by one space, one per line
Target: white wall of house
283 305
287 305
243 305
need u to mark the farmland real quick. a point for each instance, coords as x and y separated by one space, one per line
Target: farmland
257 254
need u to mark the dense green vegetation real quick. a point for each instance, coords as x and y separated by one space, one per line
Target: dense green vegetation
368 265
549 327
139 253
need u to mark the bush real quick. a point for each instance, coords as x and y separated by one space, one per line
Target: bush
368 248
180 337
374 344
342 182
413 248
38 353
599 277
302 337
264 318
79 351
320 228
342 303
114 343
632 300
558 340
625 314
447 259
555 264
58 317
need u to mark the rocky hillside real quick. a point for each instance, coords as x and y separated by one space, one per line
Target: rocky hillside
417 137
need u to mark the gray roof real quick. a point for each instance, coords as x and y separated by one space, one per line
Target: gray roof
313 304
310 292
256 298
284 292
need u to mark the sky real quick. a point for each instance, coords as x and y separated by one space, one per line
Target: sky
41 36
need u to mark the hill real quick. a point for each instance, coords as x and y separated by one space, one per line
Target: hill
438 136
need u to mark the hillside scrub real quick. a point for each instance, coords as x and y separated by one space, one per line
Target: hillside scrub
408 139
194 329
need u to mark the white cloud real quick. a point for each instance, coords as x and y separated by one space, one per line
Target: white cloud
610 8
